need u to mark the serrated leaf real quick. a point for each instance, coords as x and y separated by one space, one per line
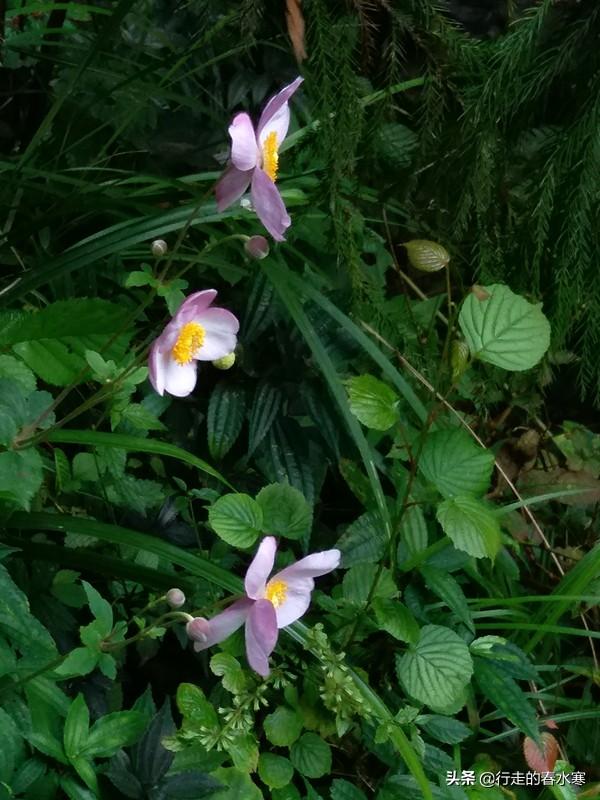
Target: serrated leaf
13 369
275 771
498 686
437 668
228 668
226 411
344 790
366 580
100 608
448 589
444 729
455 464
196 709
372 402
21 474
471 526
237 519
363 542
283 726
62 469
266 404
287 455
285 511
413 531
504 329
395 618
239 785
311 756
18 624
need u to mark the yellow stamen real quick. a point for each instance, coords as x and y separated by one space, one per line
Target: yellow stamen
189 341
276 592
271 156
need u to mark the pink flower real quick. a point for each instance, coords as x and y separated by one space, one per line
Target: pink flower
197 332
254 160
268 604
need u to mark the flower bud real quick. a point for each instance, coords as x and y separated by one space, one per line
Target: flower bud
257 247
224 363
175 598
427 256
198 629
159 248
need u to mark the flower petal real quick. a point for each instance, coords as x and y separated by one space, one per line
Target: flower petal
269 205
261 636
299 582
260 568
244 150
220 328
225 623
296 603
276 103
195 303
179 379
312 566
278 124
156 371
231 186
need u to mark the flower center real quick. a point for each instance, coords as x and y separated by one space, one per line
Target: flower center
271 156
189 341
276 592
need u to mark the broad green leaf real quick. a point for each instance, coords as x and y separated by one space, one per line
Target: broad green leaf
15 370
311 756
359 581
243 751
196 709
77 724
18 624
11 747
413 530
28 773
100 608
437 668
80 661
504 329
287 456
267 402
471 526
229 670
444 729
372 402
287 793
448 589
113 731
20 476
363 542
226 410
237 519
502 690
283 726
238 785
276 771
455 464
344 790
285 511
396 619
53 341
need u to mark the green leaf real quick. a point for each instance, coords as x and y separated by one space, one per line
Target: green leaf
53 341
287 793
243 750
471 525
437 668
267 402
196 709
344 790
275 771
11 747
448 589
113 731
229 670
21 474
18 624
100 608
413 530
283 726
498 686
359 580
426 256
237 519
80 661
311 756
363 542
455 464
372 402
504 329
226 410
15 370
396 619
444 729
77 724
239 785
285 511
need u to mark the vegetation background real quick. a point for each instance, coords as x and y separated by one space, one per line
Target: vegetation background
472 125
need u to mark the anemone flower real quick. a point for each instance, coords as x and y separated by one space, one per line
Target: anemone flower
254 162
197 332
269 604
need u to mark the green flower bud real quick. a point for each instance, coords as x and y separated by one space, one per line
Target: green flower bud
226 362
